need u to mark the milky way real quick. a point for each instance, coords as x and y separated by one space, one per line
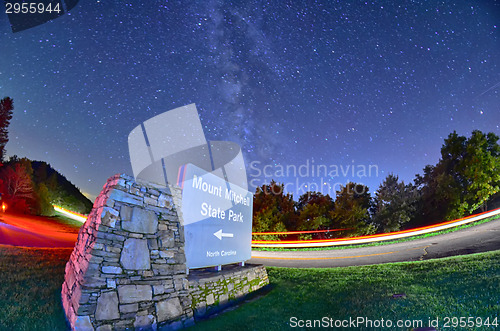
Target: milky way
294 83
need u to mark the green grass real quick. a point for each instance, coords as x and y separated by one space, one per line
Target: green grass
462 286
454 287
380 243
30 288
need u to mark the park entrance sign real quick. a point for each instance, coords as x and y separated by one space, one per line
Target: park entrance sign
217 218
216 206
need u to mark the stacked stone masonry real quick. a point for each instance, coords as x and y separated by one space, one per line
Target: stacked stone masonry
128 267
211 291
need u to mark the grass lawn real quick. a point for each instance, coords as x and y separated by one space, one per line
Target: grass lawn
30 288
466 286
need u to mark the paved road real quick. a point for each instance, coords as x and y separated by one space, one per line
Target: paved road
33 231
42 232
480 238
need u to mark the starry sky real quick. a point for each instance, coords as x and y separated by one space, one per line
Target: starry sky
333 83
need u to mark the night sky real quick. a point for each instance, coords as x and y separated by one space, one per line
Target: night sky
292 82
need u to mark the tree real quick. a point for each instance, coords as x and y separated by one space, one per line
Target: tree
464 179
267 220
438 195
480 169
351 212
273 209
394 204
18 185
43 199
314 211
6 107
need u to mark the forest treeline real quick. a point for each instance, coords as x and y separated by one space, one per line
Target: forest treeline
465 180
32 187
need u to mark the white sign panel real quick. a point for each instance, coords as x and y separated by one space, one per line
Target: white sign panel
217 219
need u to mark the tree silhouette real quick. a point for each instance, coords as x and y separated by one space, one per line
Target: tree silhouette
273 210
314 211
6 107
465 178
351 212
18 185
394 204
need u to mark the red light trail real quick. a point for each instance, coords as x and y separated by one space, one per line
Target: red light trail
375 237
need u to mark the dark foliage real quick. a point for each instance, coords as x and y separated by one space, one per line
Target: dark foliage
33 186
61 191
6 108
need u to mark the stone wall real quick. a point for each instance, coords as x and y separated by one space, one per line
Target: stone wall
128 267
211 291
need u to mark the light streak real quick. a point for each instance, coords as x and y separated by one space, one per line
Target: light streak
375 237
71 214
295 232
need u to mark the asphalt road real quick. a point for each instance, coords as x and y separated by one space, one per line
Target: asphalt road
480 238
33 231
20 230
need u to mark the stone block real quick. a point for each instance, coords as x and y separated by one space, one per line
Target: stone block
111 283
134 293
135 190
141 221
123 325
135 254
159 289
144 321
153 244
86 309
93 282
83 323
150 201
84 298
105 254
180 258
136 235
111 270
154 192
129 308
165 201
167 254
163 269
168 310
167 239
179 268
125 213
108 216
110 202
110 236
121 196
113 249
107 307
223 298
163 227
